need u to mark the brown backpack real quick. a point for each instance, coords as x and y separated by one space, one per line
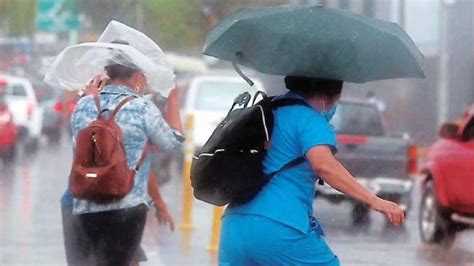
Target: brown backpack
100 172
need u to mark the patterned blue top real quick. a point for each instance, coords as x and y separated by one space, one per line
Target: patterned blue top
140 121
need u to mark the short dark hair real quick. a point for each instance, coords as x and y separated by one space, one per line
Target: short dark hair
308 87
116 70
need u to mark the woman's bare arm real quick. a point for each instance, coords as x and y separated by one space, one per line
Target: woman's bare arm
333 172
162 214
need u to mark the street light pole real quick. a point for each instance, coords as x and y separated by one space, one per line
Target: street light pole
443 96
139 16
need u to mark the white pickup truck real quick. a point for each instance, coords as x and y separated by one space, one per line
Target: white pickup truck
27 113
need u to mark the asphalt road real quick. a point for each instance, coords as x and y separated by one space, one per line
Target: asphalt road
31 232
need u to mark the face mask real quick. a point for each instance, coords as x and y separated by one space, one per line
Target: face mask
328 115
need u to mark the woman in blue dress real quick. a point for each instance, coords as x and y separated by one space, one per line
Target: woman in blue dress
277 227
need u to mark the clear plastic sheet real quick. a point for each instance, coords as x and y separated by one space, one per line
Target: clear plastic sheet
74 67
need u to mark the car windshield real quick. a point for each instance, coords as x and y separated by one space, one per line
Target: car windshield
218 95
357 119
13 90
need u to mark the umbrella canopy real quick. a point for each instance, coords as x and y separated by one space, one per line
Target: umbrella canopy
314 41
73 68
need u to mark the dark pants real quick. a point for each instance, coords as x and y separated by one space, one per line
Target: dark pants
114 235
105 238
76 243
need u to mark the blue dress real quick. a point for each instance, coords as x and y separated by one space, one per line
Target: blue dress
277 227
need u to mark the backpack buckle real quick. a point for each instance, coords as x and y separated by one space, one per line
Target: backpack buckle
243 99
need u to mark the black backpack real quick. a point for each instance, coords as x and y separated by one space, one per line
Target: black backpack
228 168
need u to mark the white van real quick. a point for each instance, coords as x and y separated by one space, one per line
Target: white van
22 102
209 99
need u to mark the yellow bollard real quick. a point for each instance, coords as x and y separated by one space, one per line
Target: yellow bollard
188 197
216 229
186 242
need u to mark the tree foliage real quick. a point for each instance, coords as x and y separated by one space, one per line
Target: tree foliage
174 24
17 17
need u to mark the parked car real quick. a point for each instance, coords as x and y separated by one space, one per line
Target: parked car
206 99
447 204
50 101
8 132
23 104
53 121
380 161
69 101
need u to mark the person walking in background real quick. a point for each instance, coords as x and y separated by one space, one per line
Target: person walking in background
77 247
379 104
372 99
277 227
140 122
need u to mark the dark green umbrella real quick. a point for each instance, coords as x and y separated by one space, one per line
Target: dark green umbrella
314 41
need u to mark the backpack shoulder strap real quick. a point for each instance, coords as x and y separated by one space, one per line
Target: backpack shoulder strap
287 166
142 158
291 164
97 101
277 103
119 106
122 103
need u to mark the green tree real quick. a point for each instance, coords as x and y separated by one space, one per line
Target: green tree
99 13
176 24
17 17
181 24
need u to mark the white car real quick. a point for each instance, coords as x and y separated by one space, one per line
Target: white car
22 102
209 99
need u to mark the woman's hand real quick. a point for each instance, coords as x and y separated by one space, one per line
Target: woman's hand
394 213
163 217
96 84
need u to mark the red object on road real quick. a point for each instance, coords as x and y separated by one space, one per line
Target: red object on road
349 139
70 107
450 163
8 129
58 107
447 204
412 167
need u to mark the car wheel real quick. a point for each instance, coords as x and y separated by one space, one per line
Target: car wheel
360 214
434 229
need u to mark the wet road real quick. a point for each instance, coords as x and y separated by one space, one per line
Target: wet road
31 232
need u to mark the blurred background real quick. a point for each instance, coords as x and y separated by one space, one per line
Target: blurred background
31 31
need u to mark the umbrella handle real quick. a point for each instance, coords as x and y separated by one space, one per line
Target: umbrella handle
237 69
